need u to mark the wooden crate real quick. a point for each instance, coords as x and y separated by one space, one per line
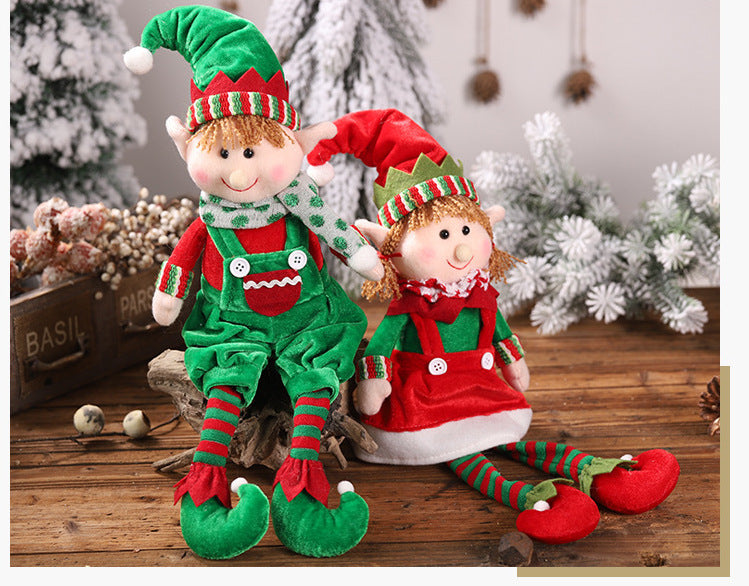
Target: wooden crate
69 335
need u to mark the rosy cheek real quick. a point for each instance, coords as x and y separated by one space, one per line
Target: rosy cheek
201 176
486 247
277 173
427 254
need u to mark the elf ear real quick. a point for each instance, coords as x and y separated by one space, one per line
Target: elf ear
496 214
179 134
375 233
310 136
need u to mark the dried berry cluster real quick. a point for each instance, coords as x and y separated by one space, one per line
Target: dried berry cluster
69 241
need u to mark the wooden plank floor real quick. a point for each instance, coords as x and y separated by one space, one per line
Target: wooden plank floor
606 389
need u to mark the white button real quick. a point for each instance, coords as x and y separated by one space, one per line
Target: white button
437 366
487 360
297 260
239 267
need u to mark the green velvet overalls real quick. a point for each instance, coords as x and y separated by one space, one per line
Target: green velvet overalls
275 304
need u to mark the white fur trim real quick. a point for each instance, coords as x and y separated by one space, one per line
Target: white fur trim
448 441
139 60
321 174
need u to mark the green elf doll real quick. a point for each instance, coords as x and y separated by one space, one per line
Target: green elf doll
429 389
265 294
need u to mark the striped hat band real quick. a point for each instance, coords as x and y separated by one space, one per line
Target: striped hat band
226 104
409 199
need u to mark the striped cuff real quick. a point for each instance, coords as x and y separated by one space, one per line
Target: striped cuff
509 350
173 280
374 367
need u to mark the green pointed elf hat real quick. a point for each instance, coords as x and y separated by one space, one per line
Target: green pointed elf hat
413 167
235 70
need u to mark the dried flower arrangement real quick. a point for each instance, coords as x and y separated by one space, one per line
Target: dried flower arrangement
69 241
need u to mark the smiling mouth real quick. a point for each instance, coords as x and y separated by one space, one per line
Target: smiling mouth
240 190
460 268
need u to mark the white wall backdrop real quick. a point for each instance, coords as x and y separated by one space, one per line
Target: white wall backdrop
657 99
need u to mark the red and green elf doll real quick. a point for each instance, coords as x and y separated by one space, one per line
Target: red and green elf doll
265 295
428 389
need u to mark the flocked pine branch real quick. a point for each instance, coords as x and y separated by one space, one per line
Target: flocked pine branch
71 105
581 261
341 56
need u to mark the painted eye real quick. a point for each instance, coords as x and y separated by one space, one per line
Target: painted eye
444 234
466 230
248 153
224 154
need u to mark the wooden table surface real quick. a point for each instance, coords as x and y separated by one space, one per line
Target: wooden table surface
605 389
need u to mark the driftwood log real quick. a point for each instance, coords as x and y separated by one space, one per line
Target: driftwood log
263 435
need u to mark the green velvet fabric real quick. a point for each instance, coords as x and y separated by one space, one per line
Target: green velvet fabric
543 491
214 532
211 40
398 332
307 527
313 344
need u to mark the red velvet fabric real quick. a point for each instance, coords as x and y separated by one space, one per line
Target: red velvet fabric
296 475
202 482
380 139
572 516
250 81
195 241
445 309
643 487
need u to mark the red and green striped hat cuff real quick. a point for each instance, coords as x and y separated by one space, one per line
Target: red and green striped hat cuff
409 199
227 104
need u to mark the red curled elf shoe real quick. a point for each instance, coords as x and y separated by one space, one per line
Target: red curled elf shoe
571 515
642 487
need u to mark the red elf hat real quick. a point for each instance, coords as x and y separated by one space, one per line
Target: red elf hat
413 167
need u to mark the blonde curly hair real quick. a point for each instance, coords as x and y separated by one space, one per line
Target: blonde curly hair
457 206
240 130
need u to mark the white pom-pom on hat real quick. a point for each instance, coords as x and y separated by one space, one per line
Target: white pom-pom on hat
139 60
345 486
321 174
541 506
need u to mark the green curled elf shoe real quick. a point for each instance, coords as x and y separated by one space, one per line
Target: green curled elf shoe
214 530
304 523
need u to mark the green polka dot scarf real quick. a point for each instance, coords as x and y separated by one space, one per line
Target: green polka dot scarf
300 198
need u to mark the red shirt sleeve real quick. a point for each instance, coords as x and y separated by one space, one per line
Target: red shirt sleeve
176 272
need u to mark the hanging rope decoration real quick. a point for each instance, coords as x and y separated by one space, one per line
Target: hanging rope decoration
530 7
485 84
579 84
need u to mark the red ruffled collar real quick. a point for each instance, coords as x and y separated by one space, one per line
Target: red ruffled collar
444 301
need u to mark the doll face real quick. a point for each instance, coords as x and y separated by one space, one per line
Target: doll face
447 250
246 173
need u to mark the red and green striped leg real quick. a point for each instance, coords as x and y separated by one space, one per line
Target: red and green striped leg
301 518
550 512
625 485
209 525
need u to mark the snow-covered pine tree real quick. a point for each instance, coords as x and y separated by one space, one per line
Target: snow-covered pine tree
580 260
71 105
341 56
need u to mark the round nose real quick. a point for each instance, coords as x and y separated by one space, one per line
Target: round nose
238 179
463 252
